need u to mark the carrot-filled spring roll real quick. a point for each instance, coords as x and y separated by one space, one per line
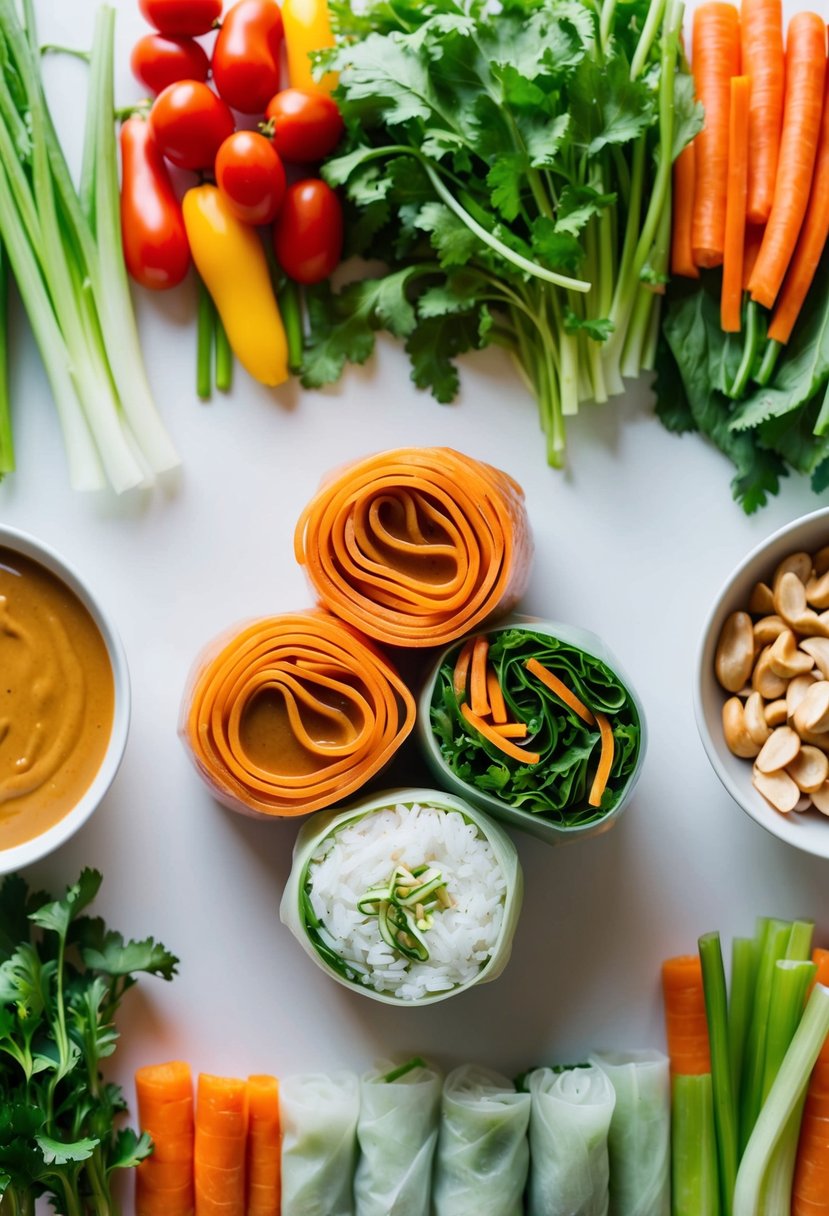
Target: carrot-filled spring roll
292 713
416 546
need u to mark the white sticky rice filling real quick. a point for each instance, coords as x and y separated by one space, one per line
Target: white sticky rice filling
365 852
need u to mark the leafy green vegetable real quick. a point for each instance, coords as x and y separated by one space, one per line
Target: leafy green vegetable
511 170
62 978
558 786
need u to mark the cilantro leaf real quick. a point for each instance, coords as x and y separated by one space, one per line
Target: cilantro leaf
58 916
433 346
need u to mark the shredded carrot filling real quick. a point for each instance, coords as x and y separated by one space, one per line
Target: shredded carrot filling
490 733
460 676
496 697
511 730
561 690
605 761
478 698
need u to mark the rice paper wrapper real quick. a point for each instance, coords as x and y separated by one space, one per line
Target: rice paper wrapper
294 910
640 1132
569 1125
483 1155
397 1133
319 1143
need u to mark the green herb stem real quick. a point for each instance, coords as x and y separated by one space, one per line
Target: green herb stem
650 31
404 1070
290 306
223 358
205 329
6 438
769 362
750 345
694 1180
725 1112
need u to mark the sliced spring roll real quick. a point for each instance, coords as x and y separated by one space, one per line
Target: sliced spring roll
483 1155
569 1125
639 1143
319 1143
397 1132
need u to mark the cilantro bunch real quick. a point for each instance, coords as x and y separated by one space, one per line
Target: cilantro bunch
62 978
511 170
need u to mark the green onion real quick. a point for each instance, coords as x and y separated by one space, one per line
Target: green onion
224 359
290 307
392 903
6 441
404 1070
205 329
725 1113
694 1182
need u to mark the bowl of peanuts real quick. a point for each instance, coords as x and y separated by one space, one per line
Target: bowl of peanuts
762 687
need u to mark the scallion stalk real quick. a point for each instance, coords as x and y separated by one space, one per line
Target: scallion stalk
725 1113
6 439
205 329
223 362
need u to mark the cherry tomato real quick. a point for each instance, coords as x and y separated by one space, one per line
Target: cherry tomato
250 175
246 55
189 123
156 250
306 126
308 233
157 61
188 17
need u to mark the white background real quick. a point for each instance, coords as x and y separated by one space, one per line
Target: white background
633 542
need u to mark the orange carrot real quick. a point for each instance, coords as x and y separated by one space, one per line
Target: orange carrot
561 690
810 1189
605 762
735 212
811 242
164 1181
496 697
263 1151
715 59
805 77
479 701
682 195
762 38
221 1131
511 730
751 247
460 676
504 745
686 1024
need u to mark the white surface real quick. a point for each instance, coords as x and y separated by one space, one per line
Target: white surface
633 542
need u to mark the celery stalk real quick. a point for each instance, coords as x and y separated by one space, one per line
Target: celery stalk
725 1113
744 953
6 440
694 1180
800 940
789 985
775 935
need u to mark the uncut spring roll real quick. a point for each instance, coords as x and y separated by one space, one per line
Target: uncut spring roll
397 1133
483 1154
319 1143
569 1125
639 1143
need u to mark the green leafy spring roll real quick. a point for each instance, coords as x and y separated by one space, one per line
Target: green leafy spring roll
397 1132
483 1154
319 1143
569 1125
639 1142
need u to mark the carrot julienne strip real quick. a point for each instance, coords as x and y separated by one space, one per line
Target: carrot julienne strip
504 745
715 59
496 697
561 690
735 208
605 761
460 676
479 700
682 256
511 730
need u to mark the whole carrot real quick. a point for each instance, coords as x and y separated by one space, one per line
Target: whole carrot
685 1020
810 1190
263 1149
751 247
763 62
164 1181
810 243
682 257
805 78
715 59
735 214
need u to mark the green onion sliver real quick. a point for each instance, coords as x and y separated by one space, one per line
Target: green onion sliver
725 1112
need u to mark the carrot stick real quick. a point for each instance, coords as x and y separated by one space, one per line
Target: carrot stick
811 242
682 195
219 1161
504 745
605 762
715 59
687 1027
735 212
751 247
805 77
762 38
810 1189
263 1159
496 697
479 700
164 1181
511 730
561 690
460 675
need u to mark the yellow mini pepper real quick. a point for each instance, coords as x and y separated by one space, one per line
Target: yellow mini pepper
307 28
231 260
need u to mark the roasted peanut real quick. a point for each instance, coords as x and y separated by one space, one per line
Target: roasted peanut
768 629
755 717
812 714
820 561
799 564
809 769
761 602
779 750
820 798
818 648
790 603
764 680
736 733
817 591
777 788
796 691
776 712
735 652
785 660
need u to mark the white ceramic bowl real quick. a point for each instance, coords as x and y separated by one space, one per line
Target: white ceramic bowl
809 831
33 850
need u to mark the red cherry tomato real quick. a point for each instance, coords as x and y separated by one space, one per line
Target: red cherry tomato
306 126
246 55
156 250
157 61
250 175
188 17
189 123
308 233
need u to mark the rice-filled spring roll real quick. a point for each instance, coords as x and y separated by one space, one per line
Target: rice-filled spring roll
483 1154
319 1114
640 1132
397 1133
569 1125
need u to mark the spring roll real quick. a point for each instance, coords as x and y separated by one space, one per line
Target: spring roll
397 1132
640 1132
319 1143
569 1125
483 1155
